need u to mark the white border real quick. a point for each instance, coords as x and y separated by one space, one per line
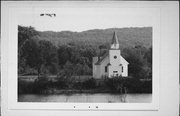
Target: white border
11 58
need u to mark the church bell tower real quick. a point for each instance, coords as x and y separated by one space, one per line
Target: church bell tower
115 42
115 68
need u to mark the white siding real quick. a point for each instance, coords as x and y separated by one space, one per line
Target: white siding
114 68
125 67
95 59
99 70
113 61
102 66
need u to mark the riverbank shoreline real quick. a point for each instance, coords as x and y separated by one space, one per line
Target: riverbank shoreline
75 91
87 98
64 86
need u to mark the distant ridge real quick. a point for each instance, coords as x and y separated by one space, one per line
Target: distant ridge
128 37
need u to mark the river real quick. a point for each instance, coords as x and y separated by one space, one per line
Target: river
87 98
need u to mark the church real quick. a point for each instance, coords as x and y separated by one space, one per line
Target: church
111 64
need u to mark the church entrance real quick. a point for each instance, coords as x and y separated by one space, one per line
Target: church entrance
115 73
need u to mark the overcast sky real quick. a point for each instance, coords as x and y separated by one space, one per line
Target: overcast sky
81 19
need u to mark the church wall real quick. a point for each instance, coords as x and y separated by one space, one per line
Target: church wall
114 68
116 63
102 67
98 72
112 60
94 70
125 67
95 59
125 71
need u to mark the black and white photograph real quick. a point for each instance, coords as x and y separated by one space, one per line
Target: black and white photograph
89 58
85 55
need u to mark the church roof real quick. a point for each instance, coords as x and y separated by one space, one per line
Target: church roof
115 39
101 59
105 56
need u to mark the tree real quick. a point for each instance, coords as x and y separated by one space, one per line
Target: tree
24 35
69 69
63 55
82 69
32 55
140 61
48 54
148 56
40 55
79 69
133 56
87 54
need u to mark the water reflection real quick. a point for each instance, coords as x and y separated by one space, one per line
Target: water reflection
89 98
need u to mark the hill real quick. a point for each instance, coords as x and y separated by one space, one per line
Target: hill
128 37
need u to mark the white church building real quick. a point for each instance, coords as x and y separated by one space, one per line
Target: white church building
112 63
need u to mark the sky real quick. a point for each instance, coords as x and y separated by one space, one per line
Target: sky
81 19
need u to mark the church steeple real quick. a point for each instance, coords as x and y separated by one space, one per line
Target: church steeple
115 42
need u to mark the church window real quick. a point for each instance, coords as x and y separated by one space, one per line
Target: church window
105 68
115 57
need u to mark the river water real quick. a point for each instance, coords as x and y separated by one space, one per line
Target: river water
87 98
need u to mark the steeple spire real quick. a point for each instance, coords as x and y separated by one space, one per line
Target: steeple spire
115 42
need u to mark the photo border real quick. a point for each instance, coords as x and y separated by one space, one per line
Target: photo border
13 12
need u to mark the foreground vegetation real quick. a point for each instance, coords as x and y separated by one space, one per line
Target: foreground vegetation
61 85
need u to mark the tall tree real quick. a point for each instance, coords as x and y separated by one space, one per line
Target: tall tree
32 55
48 54
24 35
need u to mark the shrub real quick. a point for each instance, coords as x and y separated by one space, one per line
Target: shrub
41 84
132 85
25 87
89 84
61 83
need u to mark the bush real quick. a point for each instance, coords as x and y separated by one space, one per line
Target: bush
132 85
41 84
114 85
25 87
78 85
38 86
61 83
89 84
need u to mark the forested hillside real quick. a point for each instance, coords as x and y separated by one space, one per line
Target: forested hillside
128 37
70 53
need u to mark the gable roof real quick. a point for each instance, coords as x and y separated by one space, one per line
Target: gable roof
101 59
123 60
